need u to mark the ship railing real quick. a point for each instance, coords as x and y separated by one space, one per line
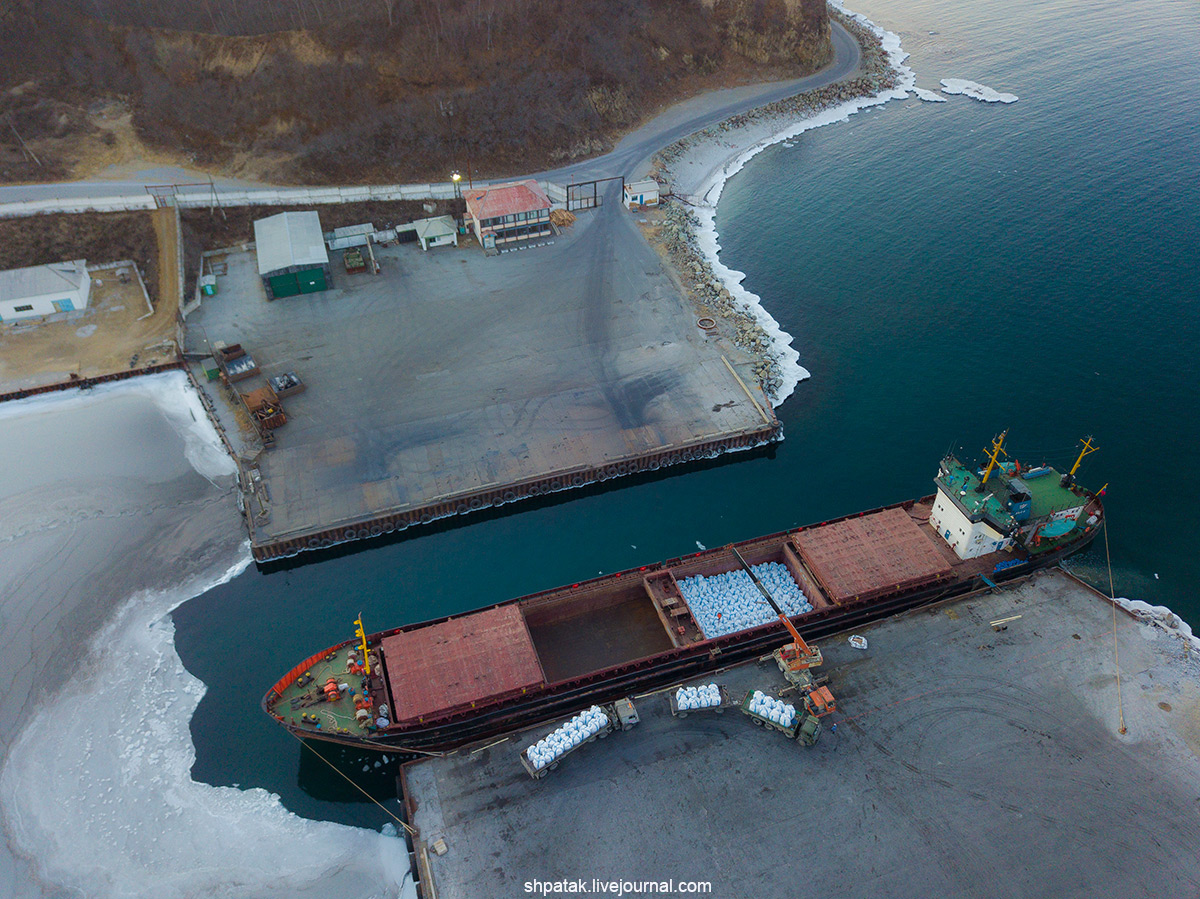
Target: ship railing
290 678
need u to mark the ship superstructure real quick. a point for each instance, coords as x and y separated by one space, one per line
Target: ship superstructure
981 511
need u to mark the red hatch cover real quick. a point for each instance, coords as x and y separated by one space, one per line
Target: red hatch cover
468 659
862 558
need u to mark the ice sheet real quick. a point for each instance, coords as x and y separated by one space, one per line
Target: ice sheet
170 391
976 91
96 788
928 96
1162 618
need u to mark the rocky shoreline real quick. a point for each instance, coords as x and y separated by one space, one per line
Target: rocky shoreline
680 224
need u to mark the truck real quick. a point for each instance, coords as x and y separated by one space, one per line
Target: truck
611 717
726 702
805 729
354 262
762 720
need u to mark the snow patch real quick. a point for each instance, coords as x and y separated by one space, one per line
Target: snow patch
1161 618
976 91
98 787
709 194
928 96
170 391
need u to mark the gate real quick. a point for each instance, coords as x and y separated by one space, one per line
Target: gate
586 194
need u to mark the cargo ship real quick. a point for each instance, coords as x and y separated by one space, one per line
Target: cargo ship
462 679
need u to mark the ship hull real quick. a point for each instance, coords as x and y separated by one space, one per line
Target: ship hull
559 699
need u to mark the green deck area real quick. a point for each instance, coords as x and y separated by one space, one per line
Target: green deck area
962 483
1049 496
304 704
1046 492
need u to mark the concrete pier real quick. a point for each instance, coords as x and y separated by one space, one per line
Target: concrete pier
969 760
452 382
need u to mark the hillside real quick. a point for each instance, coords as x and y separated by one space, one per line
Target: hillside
390 90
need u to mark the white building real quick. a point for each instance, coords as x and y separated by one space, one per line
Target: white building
641 193
44 290
437 232
969 535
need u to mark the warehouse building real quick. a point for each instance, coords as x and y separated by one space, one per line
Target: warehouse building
508 212
44 290
291 251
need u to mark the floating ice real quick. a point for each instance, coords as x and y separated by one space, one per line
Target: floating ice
928 96
729 602
976 91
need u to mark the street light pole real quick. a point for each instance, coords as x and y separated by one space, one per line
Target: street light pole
456 178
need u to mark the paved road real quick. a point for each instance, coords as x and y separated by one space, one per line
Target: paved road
630 157
632 154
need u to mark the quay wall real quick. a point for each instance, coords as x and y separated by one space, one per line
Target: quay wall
267 549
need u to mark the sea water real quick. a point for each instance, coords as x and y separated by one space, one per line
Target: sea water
946 270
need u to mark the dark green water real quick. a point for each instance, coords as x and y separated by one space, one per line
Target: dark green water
947 270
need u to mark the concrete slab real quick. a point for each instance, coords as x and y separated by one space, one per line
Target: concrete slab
967 762
452 372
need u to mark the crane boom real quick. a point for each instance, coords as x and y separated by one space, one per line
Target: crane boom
805 651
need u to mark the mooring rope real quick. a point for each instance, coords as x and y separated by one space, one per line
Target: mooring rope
411 830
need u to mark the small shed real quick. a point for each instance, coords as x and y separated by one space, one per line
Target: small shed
641 193
437 232
350 236
291 252
44 290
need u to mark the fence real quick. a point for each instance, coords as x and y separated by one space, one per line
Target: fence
202 196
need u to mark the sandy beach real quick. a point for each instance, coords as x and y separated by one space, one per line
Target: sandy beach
121 506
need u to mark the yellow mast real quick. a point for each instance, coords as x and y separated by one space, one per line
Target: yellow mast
1087 449
997 449
362 635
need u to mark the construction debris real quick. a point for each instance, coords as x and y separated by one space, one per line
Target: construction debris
560 218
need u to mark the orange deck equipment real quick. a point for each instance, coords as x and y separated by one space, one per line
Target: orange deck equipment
877 554
454 663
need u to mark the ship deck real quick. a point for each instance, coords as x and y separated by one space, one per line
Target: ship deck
967 761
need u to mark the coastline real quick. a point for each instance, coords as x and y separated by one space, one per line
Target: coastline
697 167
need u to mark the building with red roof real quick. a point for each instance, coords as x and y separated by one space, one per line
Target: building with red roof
504 213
